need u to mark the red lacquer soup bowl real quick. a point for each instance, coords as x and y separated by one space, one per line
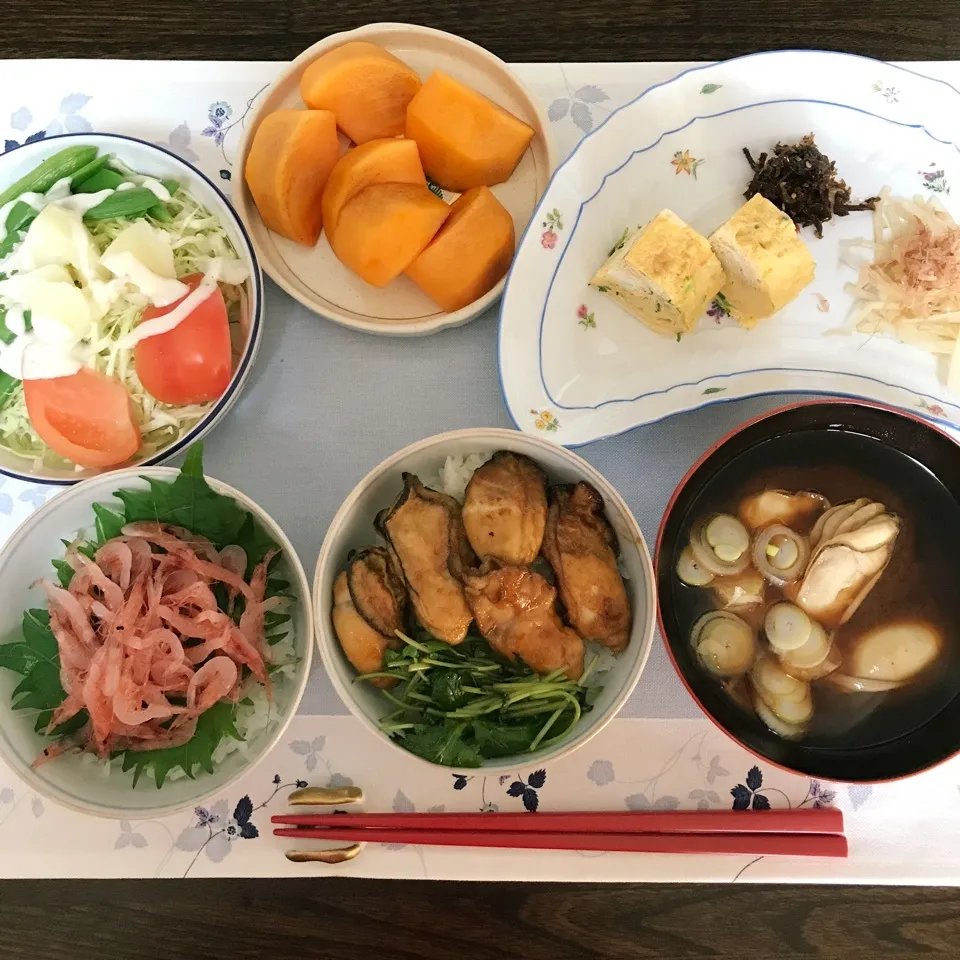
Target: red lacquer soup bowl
866 722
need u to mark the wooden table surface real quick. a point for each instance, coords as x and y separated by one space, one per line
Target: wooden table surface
337 919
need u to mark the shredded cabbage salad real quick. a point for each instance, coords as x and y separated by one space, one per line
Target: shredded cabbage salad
198 239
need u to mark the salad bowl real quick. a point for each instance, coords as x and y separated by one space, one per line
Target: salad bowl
158 163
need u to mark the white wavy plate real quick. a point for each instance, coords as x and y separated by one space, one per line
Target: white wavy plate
575 365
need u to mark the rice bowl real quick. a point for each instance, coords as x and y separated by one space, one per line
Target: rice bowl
110 792
447 460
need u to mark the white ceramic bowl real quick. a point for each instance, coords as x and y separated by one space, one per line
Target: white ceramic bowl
69 779
313 275
147 158
352 528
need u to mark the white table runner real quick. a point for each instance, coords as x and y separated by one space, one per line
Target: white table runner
659 756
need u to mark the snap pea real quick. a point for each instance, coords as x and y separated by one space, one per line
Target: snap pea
7 386
84 173
160 212
20 217
7 383
39 180
6 334
127 204
8 243
21 214
105 179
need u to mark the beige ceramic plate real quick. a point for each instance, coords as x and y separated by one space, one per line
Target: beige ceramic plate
313 275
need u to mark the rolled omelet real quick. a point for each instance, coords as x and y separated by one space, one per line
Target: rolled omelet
664 274
766 262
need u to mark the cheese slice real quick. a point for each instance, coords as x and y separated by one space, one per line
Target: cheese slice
58 237
664 274
151 247
766 262
160 291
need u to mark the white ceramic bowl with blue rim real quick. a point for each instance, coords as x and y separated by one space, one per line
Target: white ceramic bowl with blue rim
155 161
567 349
71 780
352 528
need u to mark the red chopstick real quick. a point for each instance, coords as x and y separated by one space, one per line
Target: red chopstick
807 833
754 844
826 821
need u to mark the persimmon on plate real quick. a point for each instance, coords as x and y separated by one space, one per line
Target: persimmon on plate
313 274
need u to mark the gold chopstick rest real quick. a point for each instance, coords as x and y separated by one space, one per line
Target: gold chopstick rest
339 855
324 796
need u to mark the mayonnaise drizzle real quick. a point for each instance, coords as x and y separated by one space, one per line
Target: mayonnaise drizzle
82 202
157 325
59 195
156 188
35 200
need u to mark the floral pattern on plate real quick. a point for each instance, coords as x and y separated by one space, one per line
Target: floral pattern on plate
684 163
545 420
585 317
553 224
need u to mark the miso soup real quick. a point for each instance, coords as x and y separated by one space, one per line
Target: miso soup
829 608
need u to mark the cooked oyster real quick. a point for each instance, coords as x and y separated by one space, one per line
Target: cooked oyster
377 590
778 506
888 656
425 537
852 548
838 518
582 548
516 612
363 646
505 509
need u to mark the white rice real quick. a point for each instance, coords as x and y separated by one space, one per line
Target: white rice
455 474
606 661
261 715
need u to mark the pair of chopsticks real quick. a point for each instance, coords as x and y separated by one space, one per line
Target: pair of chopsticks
792 833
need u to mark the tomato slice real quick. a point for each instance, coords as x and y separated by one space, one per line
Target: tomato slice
191 362
87 418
